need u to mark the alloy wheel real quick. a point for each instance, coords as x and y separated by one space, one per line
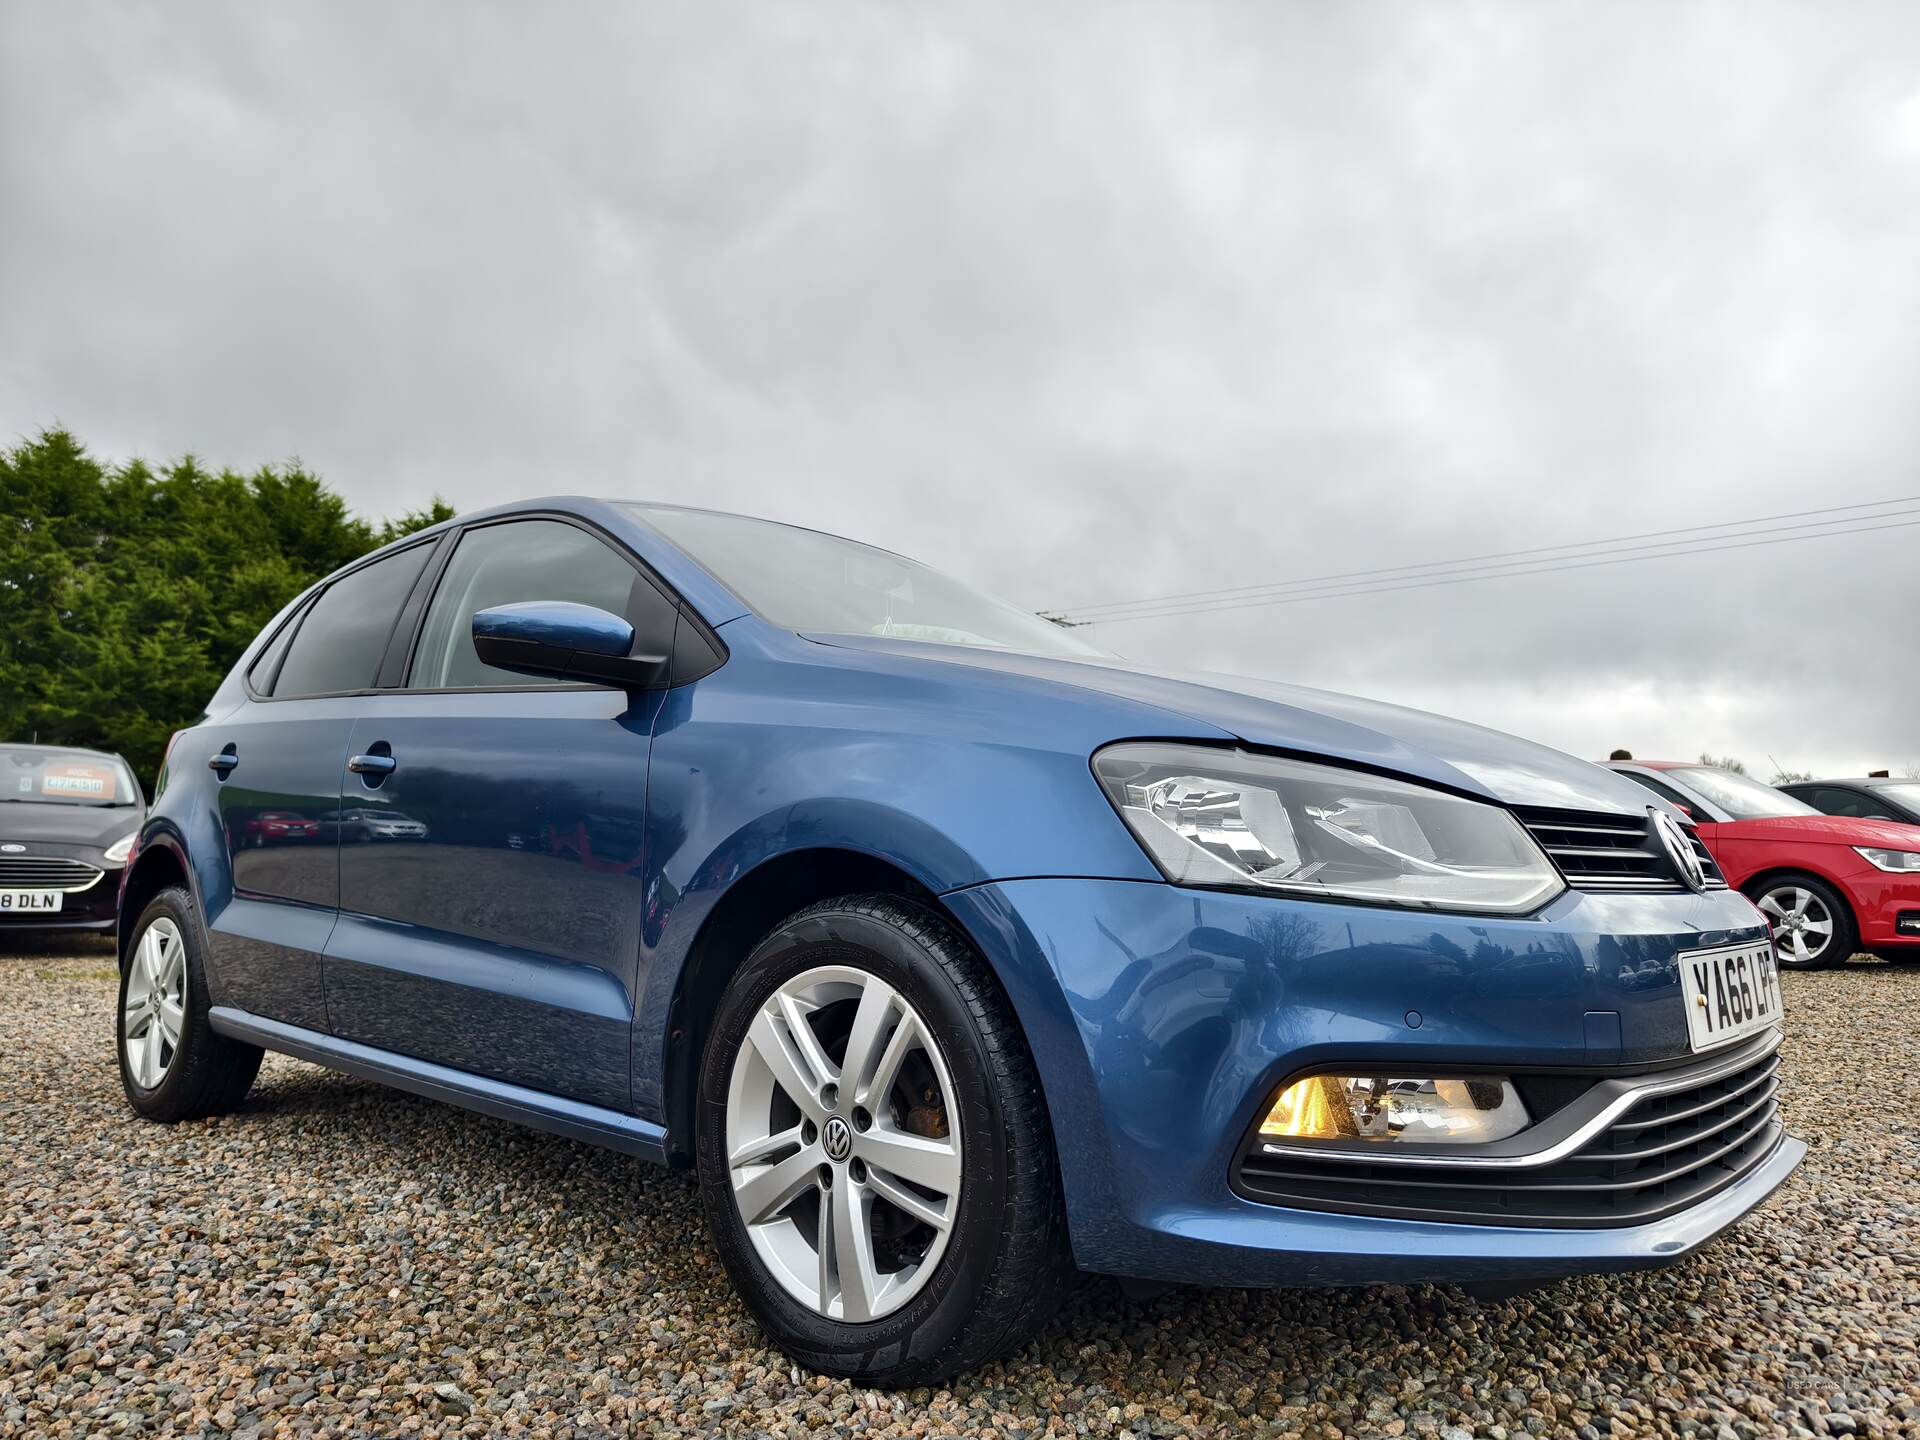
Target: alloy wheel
842 1143
1802 923
155 1006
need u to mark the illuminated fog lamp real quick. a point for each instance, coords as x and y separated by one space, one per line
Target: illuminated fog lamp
1471 1111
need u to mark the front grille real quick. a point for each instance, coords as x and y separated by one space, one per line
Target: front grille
1612 852
1663 1154
45 872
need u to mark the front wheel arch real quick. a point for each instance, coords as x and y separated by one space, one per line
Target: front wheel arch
742 916
155 868
1848 920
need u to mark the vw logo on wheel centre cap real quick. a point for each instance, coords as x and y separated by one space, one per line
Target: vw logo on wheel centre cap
837 1139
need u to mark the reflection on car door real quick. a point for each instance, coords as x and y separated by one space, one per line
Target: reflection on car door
278 762
491 893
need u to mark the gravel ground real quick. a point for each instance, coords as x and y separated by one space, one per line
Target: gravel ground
343 1259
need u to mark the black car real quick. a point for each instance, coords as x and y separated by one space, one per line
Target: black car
66 831
1875 798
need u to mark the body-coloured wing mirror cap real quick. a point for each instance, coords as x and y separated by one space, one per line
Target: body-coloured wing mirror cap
564 641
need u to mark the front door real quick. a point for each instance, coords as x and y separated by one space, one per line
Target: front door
491 882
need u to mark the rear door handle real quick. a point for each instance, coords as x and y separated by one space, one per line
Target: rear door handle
372 764
223 763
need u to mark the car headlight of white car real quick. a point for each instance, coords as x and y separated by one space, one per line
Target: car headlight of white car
1232 819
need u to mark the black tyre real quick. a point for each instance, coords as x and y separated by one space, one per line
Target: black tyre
874 1153
1813 926
172 1064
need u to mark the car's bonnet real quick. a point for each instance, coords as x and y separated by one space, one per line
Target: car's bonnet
57 824
1832 829
1311 722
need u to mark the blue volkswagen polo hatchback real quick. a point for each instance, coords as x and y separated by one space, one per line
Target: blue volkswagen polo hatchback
954 955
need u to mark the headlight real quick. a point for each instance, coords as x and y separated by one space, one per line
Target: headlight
1426 1112
118 852
1900 862
1228 818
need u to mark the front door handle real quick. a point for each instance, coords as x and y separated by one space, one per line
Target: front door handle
372 764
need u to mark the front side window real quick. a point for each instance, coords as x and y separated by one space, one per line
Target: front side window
1665 792
1831 800
1739 796
340 644
509 563
65 777
805 581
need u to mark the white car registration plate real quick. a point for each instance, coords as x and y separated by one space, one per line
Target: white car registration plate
46 901
1729 993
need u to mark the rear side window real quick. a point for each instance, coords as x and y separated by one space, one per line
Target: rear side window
338 647
526 560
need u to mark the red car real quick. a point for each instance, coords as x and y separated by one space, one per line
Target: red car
1829 884
272 826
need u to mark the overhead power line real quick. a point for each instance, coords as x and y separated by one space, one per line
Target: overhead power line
1696 534
1563 563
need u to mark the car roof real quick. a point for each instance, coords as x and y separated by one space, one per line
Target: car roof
13 747
1867 782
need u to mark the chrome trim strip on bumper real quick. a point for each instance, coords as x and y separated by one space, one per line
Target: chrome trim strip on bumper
1618 1096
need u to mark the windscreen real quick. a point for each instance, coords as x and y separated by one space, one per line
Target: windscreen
65 777
813 583
1740 797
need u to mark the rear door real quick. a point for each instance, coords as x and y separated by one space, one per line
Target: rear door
492 881
278 762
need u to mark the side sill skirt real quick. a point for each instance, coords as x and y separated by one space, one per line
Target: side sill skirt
592 1124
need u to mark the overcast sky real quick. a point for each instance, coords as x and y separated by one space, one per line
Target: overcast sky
1083 303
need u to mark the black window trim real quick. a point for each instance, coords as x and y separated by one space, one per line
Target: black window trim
404 648
299 619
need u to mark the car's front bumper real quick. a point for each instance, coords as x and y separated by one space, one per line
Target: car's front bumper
1162 1019
1882 901
94 910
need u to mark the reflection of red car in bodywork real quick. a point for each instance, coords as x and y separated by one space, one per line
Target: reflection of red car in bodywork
580 846
1828 884
271 826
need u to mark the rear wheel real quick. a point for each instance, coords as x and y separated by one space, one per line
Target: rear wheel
1812 926
172 1064
874 1154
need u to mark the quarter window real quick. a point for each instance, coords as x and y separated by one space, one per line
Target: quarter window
260 674
338 647
517 561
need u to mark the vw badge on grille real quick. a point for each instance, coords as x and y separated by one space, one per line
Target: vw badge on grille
1686 860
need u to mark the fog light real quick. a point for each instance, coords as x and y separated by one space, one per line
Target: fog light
1426 1112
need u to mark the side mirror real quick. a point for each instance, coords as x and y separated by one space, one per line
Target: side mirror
563 641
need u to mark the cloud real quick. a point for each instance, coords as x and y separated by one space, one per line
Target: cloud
1082 302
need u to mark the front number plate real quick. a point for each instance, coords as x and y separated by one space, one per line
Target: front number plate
45 901
1729 993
